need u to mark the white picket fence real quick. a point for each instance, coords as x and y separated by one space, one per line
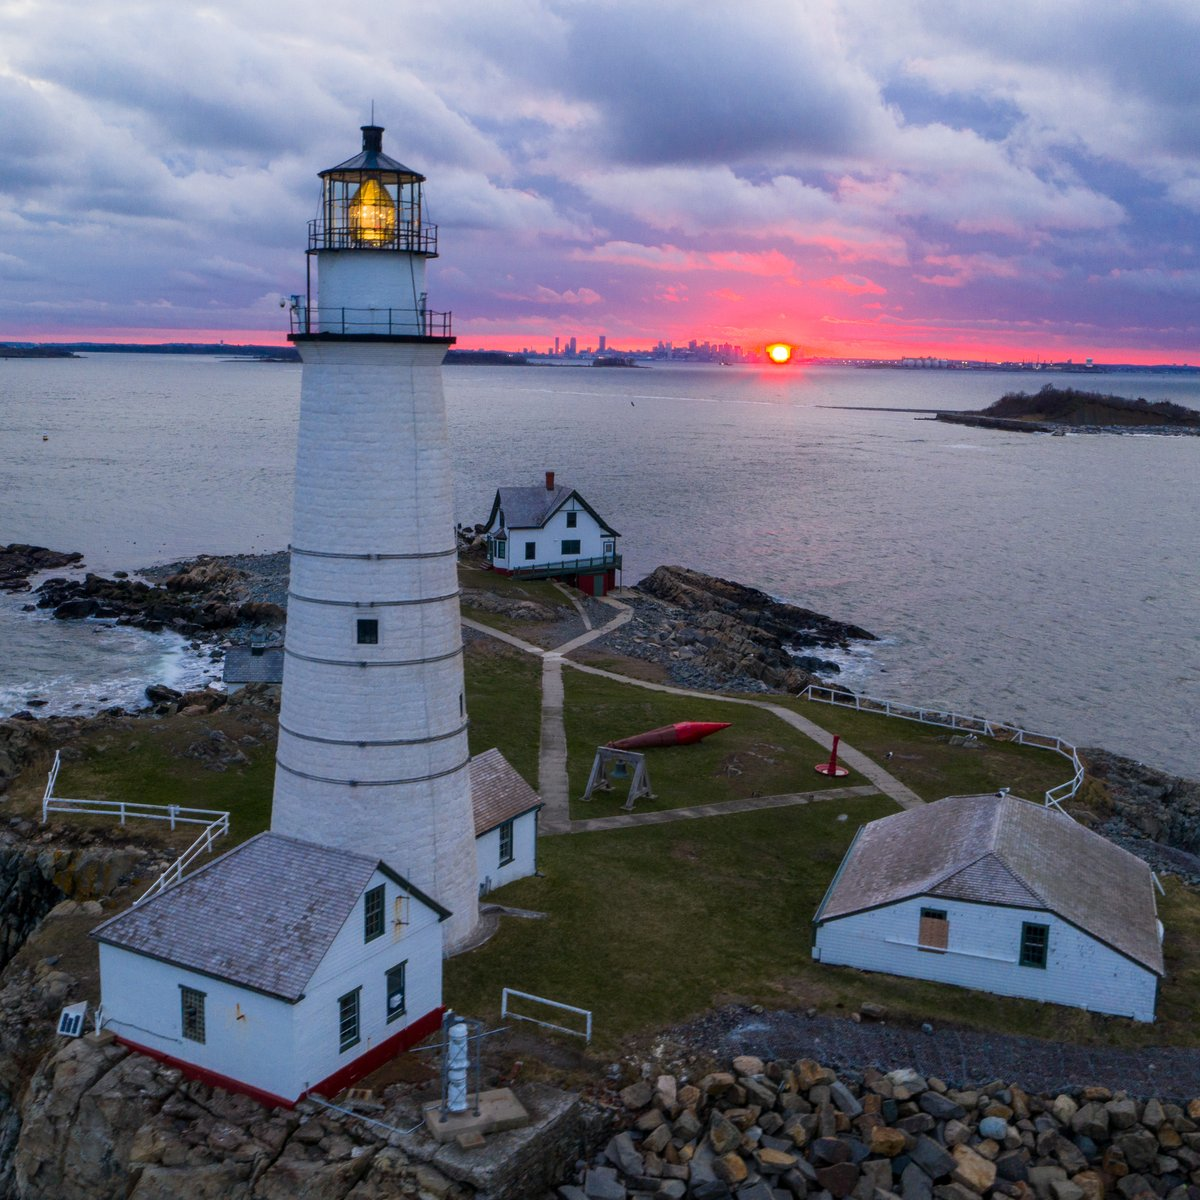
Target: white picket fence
946 719
215 822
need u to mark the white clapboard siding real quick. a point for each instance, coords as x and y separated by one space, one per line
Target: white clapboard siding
493 874
983 952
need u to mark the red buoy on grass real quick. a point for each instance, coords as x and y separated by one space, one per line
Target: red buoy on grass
831 767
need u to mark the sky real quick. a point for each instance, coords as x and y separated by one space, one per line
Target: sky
864 178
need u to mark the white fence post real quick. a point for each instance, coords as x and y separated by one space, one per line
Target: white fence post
951 720
505 1011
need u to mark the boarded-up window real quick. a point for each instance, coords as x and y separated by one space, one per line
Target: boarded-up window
935 930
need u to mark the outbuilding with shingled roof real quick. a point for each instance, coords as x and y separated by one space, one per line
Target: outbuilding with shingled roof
996 893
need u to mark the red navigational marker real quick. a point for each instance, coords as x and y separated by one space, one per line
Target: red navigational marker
831 767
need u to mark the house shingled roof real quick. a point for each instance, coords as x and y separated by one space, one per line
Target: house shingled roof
532 507
263 915
242 665
1002 850
498 791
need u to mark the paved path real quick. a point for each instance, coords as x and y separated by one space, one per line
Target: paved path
575 603
720 809
553 783
884 781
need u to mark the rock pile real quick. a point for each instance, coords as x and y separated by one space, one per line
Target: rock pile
796 1131
207 597
714 633
18 561
1159 806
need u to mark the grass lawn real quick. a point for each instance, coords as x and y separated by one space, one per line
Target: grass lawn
649 926
504 702
758 755
923 758
157 762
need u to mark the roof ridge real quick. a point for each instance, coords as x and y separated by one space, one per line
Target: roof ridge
960 866
1006 812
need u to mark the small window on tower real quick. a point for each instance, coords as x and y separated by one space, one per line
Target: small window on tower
572 519
368 631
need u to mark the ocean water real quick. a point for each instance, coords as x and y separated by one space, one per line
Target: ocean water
1051 581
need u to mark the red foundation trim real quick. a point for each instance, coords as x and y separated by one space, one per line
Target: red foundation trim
400 1041
352 1072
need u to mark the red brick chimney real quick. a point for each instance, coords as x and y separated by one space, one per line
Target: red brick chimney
549 481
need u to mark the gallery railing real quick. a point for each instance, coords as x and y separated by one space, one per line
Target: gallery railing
370 322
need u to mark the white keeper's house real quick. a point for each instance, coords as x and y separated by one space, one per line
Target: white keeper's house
551 532
999 894
281 968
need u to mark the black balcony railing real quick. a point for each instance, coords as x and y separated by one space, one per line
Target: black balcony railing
568 566
407 236
371 322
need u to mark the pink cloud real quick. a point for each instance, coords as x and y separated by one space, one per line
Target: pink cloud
766 264
852 285
963 268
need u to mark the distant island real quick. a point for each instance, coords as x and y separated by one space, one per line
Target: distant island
1056 410
35 352
485 358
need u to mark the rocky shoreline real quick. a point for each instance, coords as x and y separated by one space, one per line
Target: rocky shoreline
797 1130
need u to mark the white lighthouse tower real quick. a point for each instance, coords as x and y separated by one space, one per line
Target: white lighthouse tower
372 751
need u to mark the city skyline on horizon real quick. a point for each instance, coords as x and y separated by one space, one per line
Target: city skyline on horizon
856 177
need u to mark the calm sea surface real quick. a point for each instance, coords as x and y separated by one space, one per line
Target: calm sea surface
1052 581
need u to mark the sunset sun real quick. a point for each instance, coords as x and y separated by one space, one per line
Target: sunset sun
779 352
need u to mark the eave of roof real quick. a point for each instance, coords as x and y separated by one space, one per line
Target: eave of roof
954 848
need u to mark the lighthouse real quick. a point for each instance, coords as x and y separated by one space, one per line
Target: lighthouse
372 754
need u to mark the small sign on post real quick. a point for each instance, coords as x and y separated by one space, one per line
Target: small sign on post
70 1020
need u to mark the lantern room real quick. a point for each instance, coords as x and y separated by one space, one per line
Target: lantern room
372 202
369 204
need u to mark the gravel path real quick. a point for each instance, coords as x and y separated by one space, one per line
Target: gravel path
963 1058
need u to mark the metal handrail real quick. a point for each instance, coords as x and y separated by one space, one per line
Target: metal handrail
586 1013
945 719
379 322
571 564
174 873
215 822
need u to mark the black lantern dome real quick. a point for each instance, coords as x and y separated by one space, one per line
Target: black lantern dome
372 202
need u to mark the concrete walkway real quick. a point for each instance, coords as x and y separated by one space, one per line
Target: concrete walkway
721 808
574 601
553 782
884 781
553 785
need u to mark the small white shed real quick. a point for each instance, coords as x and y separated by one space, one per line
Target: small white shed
506 815
999 894
551 532
281 968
